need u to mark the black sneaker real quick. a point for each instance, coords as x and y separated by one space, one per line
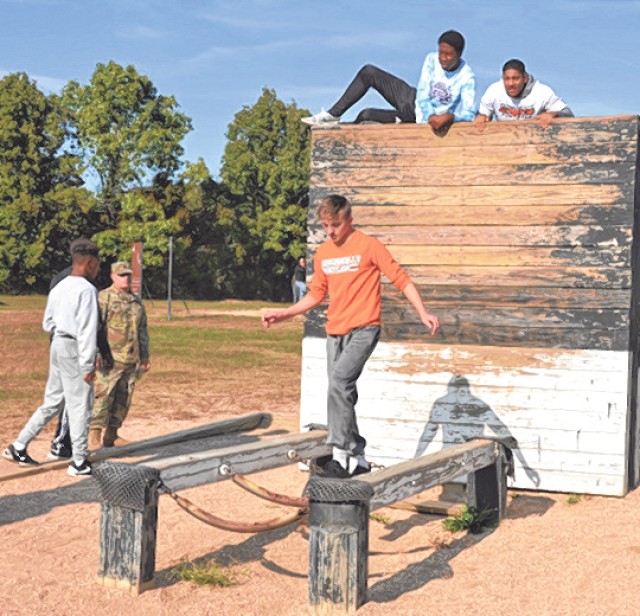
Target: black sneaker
59 452
334 470
19 455
361 470
77 470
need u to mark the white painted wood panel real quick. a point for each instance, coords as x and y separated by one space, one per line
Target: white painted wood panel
566 408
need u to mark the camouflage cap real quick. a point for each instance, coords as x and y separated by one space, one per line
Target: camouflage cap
83 247
121 267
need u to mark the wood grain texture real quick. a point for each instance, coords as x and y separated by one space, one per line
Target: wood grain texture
524 242
188 471
566 408
476 196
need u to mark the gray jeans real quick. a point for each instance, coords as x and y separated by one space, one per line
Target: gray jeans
65 382
346 357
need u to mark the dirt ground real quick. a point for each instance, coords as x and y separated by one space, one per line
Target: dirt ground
551 555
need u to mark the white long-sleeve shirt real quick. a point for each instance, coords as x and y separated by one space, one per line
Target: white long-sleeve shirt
441 91
72 310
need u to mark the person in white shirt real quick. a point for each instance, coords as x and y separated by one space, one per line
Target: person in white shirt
71 316
445 92
519 96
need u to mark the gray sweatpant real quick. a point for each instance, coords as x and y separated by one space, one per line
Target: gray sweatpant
346 357
65 382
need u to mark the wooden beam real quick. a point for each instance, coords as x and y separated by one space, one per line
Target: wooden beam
400 481
250 421
189 471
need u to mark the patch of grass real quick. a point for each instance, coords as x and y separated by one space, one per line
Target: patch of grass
227 348
178 307
22 302
378 517
205 573
574 499
472 519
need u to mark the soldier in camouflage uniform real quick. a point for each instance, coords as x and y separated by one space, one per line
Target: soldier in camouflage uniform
126 323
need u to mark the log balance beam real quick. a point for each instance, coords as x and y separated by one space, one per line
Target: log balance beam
129 518
339 514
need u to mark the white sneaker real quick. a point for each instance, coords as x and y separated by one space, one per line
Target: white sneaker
322 118
77 470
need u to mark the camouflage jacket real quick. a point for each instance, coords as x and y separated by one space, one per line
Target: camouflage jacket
126 322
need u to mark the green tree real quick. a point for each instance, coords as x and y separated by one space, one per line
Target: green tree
266 166
131 142
42 203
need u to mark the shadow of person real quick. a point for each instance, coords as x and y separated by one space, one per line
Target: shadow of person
462 417
435 566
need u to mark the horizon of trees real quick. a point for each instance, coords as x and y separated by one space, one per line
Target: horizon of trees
105 160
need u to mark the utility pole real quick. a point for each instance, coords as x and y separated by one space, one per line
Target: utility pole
170 278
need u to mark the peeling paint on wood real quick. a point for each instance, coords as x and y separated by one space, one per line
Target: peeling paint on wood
522 240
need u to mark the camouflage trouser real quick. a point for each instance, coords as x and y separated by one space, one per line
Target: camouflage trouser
113 392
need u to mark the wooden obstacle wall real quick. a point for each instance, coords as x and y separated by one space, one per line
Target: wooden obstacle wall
522 240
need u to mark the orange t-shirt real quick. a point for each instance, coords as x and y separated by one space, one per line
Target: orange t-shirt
351 275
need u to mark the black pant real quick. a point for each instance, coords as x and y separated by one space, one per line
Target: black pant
399 94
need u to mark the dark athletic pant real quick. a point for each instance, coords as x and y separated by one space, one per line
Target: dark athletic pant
346 357
399 94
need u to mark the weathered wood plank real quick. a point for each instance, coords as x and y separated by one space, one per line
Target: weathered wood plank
593 195
554 297
250 421
128 545
491 332
414 476
411 254
355 155
550 276
455 317
188 471
547 277
528 369
563 130
587 173
420 360
338 556
491 405
367 217
409 231
582 442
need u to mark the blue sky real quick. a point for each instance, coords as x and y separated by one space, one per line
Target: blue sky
216 56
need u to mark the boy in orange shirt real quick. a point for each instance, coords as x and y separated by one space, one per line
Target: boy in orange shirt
348 266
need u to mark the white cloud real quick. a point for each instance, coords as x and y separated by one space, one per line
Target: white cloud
377 39
141 32
49 84
369 39
44 82
243 22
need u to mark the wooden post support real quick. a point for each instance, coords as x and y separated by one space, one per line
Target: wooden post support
487 487
339 544
128 526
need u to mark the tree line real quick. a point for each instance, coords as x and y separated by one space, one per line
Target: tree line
105 160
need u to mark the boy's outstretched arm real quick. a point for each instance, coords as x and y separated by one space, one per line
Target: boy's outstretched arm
271 317
429 320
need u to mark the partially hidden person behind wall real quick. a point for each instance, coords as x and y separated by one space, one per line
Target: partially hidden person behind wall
71 316
61 442
445 92
128 340
299 279
519 96
347 267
